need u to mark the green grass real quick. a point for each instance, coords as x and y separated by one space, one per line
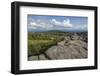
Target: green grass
39 42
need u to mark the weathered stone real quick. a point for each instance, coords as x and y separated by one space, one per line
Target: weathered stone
74 48
42 57
33 58
71 49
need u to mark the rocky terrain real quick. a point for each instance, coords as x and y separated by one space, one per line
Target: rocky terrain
74 47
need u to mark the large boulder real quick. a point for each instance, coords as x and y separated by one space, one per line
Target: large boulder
75 49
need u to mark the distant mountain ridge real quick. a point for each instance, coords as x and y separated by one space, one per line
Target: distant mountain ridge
55 31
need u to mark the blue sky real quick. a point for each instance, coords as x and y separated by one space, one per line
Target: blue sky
66 23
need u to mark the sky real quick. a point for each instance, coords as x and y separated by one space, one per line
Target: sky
50 22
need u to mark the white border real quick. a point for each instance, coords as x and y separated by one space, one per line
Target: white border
26 65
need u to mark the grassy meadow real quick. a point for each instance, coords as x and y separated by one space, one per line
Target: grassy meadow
39 42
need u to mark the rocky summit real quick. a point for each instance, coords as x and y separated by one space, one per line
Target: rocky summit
70 48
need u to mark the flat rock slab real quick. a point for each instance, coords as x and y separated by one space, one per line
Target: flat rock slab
33 58
66 49
39 57
42 57
72 50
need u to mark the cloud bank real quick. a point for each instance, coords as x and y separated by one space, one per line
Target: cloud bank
53 24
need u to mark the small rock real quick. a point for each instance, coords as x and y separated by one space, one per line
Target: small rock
42 57
33 58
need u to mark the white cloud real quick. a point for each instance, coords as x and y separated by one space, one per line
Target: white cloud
78 27
81 27
33 27
49 24
66 23
32 24
54 24
39 24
